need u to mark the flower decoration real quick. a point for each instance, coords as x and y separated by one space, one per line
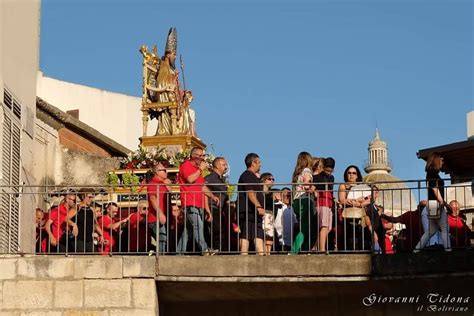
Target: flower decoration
143 158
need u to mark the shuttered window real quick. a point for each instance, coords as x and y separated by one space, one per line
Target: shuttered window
9 199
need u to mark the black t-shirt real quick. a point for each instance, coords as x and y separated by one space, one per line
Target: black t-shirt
322 178
217 186
434 181
248 181
84 219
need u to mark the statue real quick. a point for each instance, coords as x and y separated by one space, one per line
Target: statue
163 98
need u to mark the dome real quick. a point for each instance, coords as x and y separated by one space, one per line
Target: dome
395 196
377 142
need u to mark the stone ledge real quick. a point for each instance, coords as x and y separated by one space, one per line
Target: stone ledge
98 267
45 267
138 266
350 265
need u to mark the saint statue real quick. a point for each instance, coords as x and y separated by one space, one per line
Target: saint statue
165 100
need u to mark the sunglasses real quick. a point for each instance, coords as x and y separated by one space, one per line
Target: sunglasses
271 179
351 172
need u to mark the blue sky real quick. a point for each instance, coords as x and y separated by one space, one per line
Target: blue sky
280 77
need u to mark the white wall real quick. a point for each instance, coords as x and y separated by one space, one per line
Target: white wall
19 59
115 115
470 125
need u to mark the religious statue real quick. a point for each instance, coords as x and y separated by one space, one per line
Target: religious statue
163 97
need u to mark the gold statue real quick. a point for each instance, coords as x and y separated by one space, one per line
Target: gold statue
163 98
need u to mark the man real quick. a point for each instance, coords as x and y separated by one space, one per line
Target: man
139 235
250 205
110 227
324 183
458 230
193 191
56 223
374 223
412 232
83 222
216 184
41 236
158 200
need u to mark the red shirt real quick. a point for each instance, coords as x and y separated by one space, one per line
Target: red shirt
104 223
157 188
459 230
324 198
191 194
413 229
57 216
139 234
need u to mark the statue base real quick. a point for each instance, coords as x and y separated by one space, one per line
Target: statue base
172 143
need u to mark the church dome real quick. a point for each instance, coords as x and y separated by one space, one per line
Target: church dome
395 196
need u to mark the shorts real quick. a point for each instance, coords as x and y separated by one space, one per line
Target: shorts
324 216
250 230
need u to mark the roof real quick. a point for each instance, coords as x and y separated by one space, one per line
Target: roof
46 112
458 157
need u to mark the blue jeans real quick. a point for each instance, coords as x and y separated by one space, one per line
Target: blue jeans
430 227
194 222
162 238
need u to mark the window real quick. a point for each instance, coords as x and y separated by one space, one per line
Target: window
10 138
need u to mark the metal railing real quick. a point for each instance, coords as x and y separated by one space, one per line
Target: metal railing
381 217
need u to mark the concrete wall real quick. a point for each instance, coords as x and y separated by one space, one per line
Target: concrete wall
19 59
78 286
58 164
80 168
120 112
233 285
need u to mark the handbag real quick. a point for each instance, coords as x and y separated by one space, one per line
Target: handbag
353 212
434 209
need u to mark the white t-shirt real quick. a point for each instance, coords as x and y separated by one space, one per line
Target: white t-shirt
300 191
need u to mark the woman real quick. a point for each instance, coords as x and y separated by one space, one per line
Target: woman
350 233
303 204
267 179
435 187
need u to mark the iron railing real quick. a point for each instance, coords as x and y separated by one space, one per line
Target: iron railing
108 221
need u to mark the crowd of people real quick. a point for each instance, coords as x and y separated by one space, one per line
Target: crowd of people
307 216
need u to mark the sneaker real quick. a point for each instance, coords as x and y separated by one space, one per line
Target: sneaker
210 252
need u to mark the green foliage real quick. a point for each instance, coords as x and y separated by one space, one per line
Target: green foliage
131 180
113 179
231 189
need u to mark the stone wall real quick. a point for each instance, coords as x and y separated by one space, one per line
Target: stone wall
93 285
